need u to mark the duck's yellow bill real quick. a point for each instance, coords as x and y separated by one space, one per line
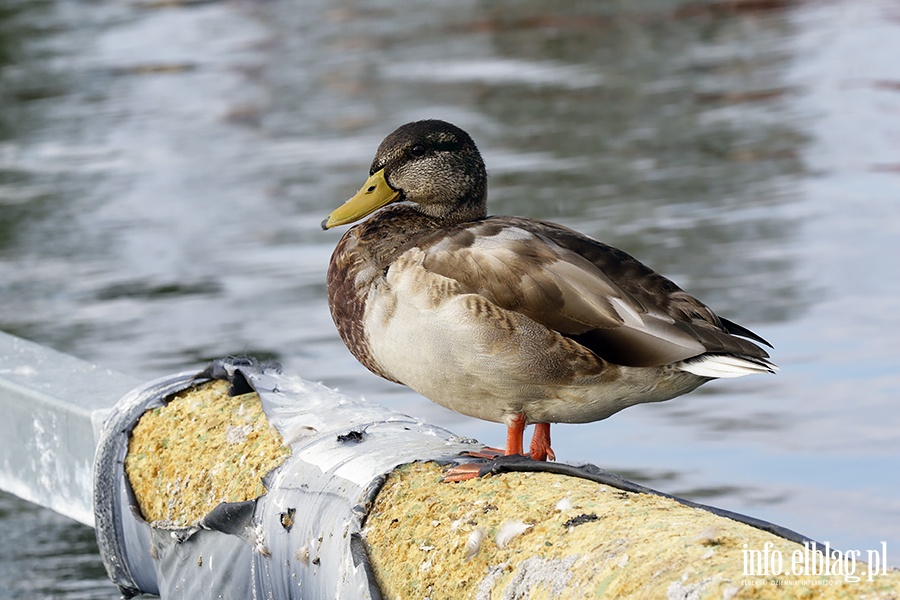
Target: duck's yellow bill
374 194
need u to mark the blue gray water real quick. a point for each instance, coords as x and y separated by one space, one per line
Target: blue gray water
164 168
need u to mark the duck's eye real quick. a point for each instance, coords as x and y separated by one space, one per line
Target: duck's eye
417 150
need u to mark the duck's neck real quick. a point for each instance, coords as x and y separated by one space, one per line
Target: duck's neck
384 236
404 225
447 215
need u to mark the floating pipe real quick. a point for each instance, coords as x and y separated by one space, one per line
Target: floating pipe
358 510
578 531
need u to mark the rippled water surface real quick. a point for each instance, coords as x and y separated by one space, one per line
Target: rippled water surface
164 168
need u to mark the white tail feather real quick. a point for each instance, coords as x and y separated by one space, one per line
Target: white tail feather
723 365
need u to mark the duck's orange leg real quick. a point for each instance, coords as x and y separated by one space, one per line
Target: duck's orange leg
514 434
515 431
540 443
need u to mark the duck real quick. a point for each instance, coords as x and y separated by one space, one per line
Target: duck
509 319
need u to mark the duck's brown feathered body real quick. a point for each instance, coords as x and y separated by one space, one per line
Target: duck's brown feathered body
507 318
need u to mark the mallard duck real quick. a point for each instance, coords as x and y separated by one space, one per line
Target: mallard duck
509 319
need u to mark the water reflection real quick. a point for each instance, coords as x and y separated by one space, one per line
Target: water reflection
22 83
648 151
164 168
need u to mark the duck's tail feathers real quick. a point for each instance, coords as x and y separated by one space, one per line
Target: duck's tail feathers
726 365
735 329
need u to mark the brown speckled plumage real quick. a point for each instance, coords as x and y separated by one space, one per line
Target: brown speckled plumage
498 317
358 264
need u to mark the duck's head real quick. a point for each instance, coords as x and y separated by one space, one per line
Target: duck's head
432 164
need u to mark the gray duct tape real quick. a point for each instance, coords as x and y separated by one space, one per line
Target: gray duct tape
299 540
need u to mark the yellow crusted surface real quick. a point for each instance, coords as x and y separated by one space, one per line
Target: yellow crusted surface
580 540
202 448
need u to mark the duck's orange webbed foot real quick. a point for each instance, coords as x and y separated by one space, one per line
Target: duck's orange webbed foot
487 452
467 471
514 433
540 449
463 472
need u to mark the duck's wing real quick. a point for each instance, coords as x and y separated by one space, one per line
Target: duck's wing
588 291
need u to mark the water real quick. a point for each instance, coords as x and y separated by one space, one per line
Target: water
164 168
